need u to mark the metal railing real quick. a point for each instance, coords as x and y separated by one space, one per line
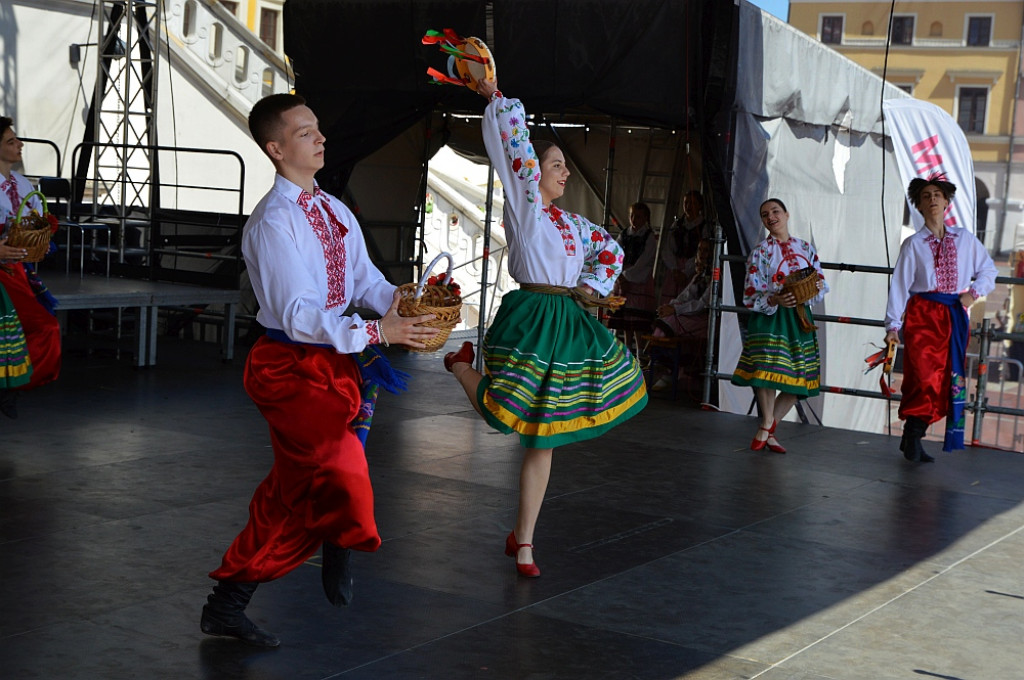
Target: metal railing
979 402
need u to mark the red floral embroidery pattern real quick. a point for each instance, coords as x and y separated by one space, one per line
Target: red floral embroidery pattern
944 252
568 240
333 242
792 258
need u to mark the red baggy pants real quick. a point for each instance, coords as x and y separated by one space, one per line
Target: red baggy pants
319 487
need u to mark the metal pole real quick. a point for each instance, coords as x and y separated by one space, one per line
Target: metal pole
713 313
482 317
980 400
606 219
1009 153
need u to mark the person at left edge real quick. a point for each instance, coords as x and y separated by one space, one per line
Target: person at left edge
33 303
307 261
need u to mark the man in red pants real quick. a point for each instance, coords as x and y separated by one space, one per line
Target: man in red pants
307 261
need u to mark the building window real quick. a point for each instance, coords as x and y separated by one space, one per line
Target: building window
268 26
230 6
971 112
979 31
903 30
909 89
832 30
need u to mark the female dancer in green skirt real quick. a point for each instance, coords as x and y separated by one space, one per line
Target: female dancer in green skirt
778 354
15 365
554 375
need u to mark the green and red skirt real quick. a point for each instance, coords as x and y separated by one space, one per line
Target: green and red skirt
778 355
554 374
15 364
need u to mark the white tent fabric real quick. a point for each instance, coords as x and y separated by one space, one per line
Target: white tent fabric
927 140
809 132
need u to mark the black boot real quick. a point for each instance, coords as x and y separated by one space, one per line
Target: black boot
224 615
9 403
337 574
910 445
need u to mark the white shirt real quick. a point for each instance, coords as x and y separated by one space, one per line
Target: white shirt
8 211
643 268
288 271
538 252
693 299
915 271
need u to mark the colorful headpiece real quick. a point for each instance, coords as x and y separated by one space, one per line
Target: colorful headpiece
469 59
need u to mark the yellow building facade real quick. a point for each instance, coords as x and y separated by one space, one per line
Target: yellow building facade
963 56
262 17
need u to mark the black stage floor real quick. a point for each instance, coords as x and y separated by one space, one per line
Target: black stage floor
668 549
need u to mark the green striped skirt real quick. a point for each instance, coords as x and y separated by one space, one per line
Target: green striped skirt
554 374
15 364
778 355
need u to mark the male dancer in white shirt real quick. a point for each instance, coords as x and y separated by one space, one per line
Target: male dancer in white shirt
307 261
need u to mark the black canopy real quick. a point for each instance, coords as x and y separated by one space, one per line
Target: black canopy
361 65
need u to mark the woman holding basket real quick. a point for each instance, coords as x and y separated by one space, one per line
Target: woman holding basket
554 374
780 353
33 303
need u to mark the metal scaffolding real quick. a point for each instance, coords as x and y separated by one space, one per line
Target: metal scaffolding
122 128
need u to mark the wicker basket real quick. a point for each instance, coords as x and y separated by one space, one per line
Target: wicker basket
803 284
419 299
31 232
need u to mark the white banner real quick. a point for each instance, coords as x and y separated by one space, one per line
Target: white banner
926 140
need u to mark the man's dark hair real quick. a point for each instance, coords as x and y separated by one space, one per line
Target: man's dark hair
5 124
265 117
938 181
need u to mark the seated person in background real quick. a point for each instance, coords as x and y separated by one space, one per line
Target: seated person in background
687 314
680 249
636 284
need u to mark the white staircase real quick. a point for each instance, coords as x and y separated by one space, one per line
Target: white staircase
233 64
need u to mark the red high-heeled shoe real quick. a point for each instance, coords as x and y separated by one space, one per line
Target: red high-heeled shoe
464 355
512 547
758 444
776 447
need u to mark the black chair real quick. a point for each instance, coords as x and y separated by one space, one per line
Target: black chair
58 195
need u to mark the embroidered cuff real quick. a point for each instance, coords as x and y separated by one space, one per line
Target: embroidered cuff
373 330
974 293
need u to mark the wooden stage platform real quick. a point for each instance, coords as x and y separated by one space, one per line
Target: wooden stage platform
100 292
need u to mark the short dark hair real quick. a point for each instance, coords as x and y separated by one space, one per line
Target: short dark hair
773 200
938 181
5 124
265 117
642 208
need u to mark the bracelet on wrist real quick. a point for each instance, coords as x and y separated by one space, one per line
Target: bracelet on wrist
380 334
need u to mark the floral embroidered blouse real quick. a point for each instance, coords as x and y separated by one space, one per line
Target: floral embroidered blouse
546 245
767 266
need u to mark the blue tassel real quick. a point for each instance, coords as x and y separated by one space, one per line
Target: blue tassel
42 293
376 372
